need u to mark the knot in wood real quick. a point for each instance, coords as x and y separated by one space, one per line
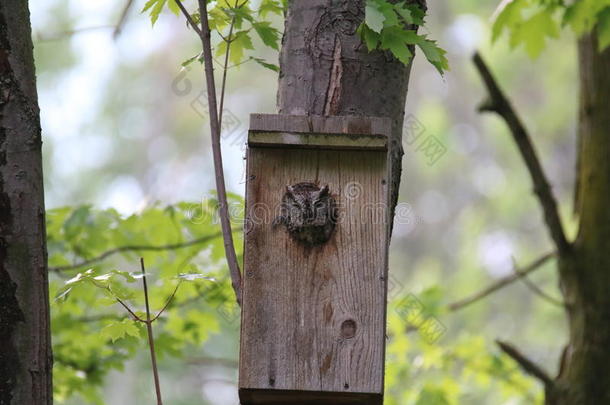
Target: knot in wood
348 329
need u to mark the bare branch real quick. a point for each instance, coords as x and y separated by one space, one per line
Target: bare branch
69 33
503 282
189 19
216 152
169 300
205 34
151 339
526 364
121 23
135 248
499 104
224 71
537 290
133 314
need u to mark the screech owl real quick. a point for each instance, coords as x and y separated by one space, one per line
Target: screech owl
308 212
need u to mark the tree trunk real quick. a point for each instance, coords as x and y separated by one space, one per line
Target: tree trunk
25 343
325 69
585 270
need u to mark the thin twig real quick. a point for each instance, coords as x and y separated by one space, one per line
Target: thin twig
121 23
224 70
228 40
133 314
107 288
151 339
68 33
102 317
169 300
204 35
503 282
188 17
129 248
537 290
526 364
498 103
216 152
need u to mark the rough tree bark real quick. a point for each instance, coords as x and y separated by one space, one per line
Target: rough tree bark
325 69
25 349
585 270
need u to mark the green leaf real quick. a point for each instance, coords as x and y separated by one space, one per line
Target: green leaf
241 42
129 277
434 54
173 7
270 6
268 34
508 18
374 18
83 355
370 37
582 15
411 37
266 65
532 22
217 19
62 295
155 7
76 222
395 39
80 277
241 14
148 5
119 330
533 32
192 59
408 15
194 277
387 9
382 25
432 396
237 49
603 29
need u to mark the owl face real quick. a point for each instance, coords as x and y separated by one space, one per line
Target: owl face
308 212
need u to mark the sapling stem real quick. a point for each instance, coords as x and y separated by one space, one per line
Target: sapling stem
151 339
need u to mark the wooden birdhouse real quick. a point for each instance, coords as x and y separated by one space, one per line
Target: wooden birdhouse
315 264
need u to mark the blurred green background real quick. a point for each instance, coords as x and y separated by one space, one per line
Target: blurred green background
124 127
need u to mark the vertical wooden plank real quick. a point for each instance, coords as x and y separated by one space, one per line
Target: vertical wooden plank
313 318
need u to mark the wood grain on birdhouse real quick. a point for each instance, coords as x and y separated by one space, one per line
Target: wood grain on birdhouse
314 298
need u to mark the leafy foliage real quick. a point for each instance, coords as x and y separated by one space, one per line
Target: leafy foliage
92 334
532 22
154 7
392 27
449 372
248 24
387 26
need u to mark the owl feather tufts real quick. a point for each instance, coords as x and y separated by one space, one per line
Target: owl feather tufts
308 212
